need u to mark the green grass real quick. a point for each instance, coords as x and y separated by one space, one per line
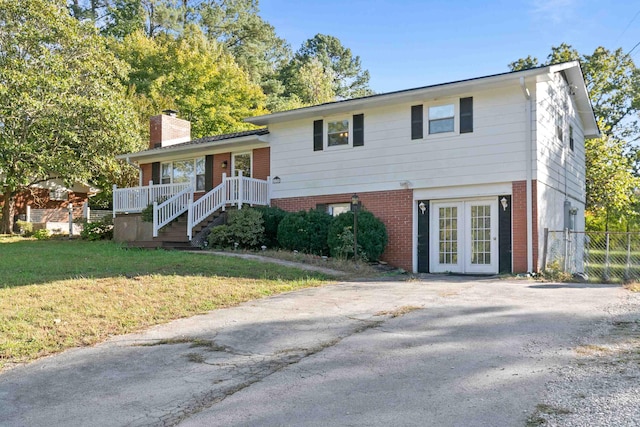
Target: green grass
60 294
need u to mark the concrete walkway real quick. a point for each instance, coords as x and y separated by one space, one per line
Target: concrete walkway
443 351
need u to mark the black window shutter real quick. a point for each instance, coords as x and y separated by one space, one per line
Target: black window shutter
317 135
208 172
358 130
321 207
416 122
466 115
155 173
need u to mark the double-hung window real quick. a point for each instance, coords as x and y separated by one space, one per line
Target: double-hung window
338 133
442 119
184 171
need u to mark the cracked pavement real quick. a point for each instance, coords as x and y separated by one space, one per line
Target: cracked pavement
441 350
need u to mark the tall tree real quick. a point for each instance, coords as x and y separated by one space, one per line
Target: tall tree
194 76
63 110
349 79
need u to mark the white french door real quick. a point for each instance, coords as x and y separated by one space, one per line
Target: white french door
464 236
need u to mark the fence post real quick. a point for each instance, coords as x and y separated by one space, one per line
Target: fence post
28 218
70 208
115 205
155 218
627 270
566 250
544 249
606 276
86 211
225 189
240 190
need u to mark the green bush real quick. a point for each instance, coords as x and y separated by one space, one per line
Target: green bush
42 234
99 230
372 236
305 232
26 228
271 217
244 227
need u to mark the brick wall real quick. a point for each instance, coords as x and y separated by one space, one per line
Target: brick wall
393 208
217 167
519 226
39 198
261 163
146 174
163 128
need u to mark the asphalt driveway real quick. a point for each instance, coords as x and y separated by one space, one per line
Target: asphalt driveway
442 351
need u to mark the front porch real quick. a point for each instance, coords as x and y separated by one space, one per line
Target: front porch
180 204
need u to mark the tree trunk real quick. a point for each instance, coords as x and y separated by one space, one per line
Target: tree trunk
6 226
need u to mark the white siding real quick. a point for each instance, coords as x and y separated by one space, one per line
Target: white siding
557 166
494 152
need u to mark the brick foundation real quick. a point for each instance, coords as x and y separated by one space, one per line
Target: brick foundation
393 208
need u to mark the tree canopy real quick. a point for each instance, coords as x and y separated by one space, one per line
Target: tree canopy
63 110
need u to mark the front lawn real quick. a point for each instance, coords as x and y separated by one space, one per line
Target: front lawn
58 294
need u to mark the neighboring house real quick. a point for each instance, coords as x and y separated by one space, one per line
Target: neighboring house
465 175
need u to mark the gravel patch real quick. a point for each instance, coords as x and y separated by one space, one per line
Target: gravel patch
601 385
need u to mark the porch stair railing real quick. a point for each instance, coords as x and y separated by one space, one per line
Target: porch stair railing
179 199
171 208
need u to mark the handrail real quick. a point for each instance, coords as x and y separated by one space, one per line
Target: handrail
171 208
135 199
206 205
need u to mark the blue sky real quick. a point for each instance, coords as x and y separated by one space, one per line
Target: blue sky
412 43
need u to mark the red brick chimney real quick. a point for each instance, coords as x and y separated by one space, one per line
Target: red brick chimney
167 129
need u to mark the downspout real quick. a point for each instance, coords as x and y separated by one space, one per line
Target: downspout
529 173
135 165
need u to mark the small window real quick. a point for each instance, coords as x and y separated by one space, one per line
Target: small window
59 194
571 138
338 133
338 208
165 177
559 126
441 119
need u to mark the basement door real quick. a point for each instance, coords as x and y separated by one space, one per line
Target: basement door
464 237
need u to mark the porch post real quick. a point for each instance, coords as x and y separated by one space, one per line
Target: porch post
269 190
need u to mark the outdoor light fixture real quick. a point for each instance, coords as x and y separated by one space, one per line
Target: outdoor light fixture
276 180
422 207
224 164
504 203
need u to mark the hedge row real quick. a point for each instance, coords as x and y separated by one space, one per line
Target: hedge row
313 232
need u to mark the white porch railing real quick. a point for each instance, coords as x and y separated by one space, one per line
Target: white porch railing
235 190
171 208
135 199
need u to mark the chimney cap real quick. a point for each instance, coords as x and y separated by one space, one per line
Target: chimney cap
172 113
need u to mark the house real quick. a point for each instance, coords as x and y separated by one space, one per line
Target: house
466 175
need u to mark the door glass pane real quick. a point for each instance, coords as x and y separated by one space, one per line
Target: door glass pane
448 235
481 235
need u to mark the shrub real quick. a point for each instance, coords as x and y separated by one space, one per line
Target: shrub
99 230
305 232
372 236
271 217
42 234
25 228
244 227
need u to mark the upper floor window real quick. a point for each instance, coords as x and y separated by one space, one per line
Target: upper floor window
338 133
441 119
571 137
179 171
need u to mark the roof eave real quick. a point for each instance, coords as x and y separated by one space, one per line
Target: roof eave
210 147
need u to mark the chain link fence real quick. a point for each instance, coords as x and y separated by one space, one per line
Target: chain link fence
599 255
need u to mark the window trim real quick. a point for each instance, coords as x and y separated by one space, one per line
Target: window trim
455 118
